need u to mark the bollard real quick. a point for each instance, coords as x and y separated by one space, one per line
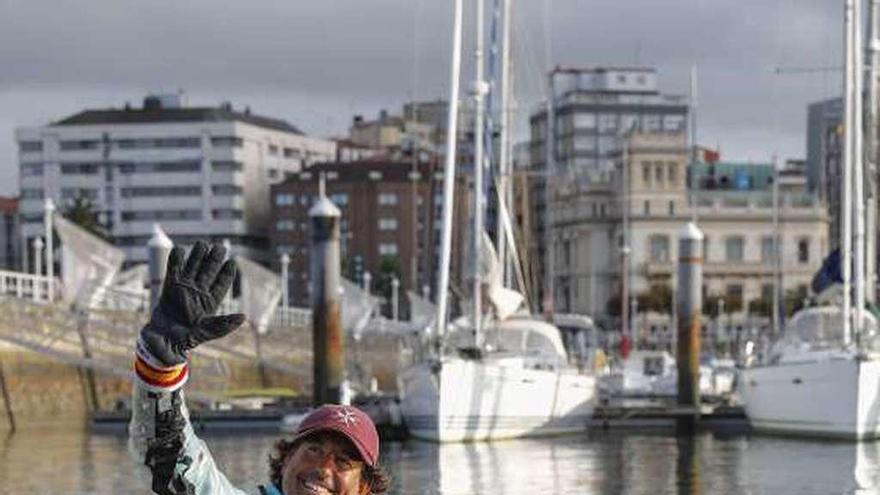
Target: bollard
395 298
158 249
49 210
329 361
38 268
688 307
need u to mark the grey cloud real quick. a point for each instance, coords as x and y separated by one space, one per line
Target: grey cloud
317 62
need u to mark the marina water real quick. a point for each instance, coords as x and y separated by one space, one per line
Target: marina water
77 462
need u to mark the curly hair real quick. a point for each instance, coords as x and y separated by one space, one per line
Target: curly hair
373 476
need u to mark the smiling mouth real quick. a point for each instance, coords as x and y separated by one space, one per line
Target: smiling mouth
311 486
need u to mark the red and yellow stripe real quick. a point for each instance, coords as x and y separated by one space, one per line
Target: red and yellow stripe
169 378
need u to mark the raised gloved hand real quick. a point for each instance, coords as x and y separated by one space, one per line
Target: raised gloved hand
184 317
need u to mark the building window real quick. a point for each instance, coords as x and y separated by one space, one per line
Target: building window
152 215
291 153
71 193
226 166
673 173
160 167
387 249
658 174
659 248
647 207
388 199
226 189
145 143
30 146
285 199
768 254
273 149
227 214
671 208
285 225
646 174
803 248
227 142
705 249
79 168
79 145
31 169
339 199
31 194
387 224
159 191
733 295
733 248
767 292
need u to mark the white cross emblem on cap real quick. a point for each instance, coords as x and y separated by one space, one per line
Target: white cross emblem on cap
346 417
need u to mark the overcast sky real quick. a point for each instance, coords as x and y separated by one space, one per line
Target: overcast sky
316 63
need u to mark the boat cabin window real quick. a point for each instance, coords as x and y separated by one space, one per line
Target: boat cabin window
653 366
821 328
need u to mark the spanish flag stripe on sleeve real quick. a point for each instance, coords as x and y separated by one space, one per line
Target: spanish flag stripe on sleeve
159 379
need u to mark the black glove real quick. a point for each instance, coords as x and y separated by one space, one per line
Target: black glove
184 317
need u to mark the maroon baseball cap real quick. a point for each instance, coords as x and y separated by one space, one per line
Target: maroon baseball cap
349 421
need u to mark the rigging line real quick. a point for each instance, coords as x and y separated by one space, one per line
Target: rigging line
415 52
534 74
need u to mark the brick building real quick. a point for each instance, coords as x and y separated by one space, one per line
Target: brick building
390 221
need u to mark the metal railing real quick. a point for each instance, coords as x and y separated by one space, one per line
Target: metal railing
27 286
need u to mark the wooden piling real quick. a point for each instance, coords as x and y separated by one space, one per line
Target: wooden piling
689 308
328 356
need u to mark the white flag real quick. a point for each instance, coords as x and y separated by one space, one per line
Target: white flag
88 263
260 292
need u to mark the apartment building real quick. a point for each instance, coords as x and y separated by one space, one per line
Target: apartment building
391 214
200 172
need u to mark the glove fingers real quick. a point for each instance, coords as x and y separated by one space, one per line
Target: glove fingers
220 326
210 266
223 281
174 265
194 261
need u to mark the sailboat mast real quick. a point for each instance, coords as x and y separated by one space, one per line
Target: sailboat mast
479 92
504 177
846 199
871 150
777 254
857 170
692 103
449 171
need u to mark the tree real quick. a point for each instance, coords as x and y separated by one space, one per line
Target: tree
794 300
81 211
658 299
761 307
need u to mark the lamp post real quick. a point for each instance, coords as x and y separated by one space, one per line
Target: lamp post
49 211
38 267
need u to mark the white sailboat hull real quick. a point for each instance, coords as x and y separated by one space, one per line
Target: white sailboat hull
472 400
837 398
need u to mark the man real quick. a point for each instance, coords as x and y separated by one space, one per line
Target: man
334 450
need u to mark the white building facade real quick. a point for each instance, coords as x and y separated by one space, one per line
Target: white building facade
590 227
201 173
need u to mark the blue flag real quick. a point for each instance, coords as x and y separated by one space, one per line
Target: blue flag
829 274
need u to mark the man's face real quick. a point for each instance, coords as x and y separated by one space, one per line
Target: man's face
323 463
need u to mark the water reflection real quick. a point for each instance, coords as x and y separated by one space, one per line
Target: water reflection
601 463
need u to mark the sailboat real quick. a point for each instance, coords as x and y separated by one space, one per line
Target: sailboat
494 374
822 377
